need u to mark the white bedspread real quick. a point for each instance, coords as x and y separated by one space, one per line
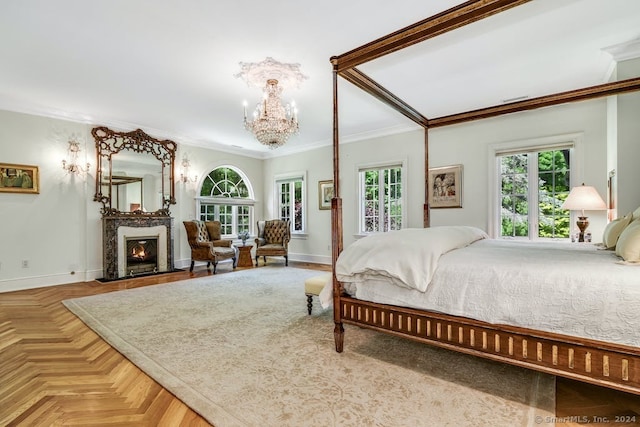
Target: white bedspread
567 288
407 257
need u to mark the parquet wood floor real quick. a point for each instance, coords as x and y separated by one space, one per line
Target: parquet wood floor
56 371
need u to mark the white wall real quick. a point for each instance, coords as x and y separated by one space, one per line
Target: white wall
55 231
466 144
59 231
628 148
318 166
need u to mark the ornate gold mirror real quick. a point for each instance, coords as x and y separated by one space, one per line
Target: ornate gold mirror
135 173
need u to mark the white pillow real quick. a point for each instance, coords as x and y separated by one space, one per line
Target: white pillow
636 214
628 246
613 230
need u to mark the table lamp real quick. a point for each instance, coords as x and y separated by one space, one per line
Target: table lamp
583 198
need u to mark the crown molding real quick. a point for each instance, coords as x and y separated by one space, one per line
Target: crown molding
624 51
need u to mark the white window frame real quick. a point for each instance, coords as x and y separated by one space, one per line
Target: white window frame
291 178
402 164
229 201
573 141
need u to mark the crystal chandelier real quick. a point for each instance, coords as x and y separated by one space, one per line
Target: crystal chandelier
272 123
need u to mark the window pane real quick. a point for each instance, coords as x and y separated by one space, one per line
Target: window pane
297 207
290 203
381 199
226 219
243 218
514 202
224 182
393 207
554 186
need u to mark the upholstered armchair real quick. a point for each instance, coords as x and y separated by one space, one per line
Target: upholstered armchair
273 239
207 244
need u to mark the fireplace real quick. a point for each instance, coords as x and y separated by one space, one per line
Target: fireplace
142 255
122 239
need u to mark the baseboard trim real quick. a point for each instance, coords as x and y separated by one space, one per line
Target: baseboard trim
315 259
34 282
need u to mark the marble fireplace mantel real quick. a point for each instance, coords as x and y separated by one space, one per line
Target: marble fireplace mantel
114 231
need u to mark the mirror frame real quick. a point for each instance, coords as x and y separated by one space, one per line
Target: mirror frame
109 142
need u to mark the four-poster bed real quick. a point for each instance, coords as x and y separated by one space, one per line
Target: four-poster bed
603 363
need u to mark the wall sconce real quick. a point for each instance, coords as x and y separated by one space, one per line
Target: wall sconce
184 176
70 164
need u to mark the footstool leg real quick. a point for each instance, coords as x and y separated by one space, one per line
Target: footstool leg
309 303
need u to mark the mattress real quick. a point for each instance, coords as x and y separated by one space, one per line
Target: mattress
566 288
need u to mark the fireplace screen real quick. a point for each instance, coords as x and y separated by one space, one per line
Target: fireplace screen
142 255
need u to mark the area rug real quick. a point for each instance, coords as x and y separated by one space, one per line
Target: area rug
240 349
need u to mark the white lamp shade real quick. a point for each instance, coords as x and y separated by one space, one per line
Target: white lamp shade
584 198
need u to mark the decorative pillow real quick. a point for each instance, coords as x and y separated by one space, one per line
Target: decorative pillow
214 230
628 246
636 214
613 230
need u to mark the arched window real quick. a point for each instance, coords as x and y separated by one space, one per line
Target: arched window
226 195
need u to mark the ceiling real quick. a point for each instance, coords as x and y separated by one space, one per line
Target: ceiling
168 66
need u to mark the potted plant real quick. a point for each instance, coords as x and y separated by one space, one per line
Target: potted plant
243 235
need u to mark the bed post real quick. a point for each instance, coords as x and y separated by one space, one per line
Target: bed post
427 208
336 219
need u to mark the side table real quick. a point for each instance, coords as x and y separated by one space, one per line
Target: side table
244 255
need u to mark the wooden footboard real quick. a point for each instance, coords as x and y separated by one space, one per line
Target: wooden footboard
601 363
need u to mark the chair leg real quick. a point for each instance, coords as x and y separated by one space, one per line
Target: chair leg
264 258
286 260
257 257
191 268
309 303
235 262
209 265
215 265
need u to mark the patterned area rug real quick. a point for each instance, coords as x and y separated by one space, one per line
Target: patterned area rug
240 349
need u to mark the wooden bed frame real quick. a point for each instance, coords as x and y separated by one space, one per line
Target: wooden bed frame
606 364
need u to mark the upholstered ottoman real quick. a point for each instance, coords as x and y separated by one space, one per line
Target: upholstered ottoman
313 286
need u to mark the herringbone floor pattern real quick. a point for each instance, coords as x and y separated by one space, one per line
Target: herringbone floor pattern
55 371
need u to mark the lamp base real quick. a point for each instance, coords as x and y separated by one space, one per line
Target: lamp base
582 224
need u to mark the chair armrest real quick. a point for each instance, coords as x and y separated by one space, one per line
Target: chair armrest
204 244
222 243
260 241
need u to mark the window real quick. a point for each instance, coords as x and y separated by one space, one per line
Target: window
226 196
381 198
291 202
533 186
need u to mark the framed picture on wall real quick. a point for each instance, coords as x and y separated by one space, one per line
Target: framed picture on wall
325 194
445 187
19 178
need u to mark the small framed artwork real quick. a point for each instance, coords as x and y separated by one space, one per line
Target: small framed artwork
445 187
19 178
325 194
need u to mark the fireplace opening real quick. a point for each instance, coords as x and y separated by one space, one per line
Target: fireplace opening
142 255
